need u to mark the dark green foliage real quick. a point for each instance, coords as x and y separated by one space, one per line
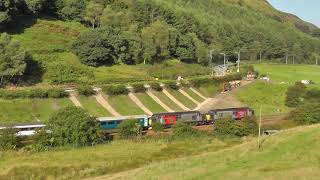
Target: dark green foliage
115 90
73 126
129 129
57 93
183 130
308 111
171 84
197 82
138 88
294 94
73 10
8 139
155 86
85 90
231 128
157 127
59 73
38 93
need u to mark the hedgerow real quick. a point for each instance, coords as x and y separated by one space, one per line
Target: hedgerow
115 90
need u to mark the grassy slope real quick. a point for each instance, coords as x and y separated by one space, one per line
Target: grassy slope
270 96
289 155
208 91
124 105
150 103
93 107
29 110
193 95
168 101
183 99
104 159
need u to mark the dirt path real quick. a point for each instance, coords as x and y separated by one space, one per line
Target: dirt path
188 96
139 103
198 93
101 100
175 100
157 100
73 98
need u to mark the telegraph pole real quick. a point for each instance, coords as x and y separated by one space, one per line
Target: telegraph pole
286 58
238 70
316 60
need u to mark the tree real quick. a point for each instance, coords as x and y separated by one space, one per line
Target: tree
73 10
294 94
111 17
12 59
73 126
129 129
93 14
229 127
35 6
8 139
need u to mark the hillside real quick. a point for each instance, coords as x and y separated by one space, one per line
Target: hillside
61 40
292 154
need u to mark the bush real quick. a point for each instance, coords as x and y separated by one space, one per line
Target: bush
115 90
73 126
157 127
155 86
130 129
8 139
197 82
172 85
38 93
229 127
85 90
138 87
294 94
183 130
57 93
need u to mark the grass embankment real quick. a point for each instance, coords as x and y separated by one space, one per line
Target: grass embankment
193 95
120 155
93 107
30 110
271 97
167 101
183 99
293 154
150 103
209 90
124 105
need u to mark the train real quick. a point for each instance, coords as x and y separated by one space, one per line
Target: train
167 119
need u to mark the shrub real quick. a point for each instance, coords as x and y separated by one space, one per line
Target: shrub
294 94
38 93
157 127
115 90
85 90
183 130
57 93
197 82
129 129
171 85
155 86
138 87
74 126
185 84
231 128
8 139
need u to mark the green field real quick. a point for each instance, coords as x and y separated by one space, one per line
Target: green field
269 96
93 107
293 154
150 103
183 99
167 101
124 105
29 110
290 73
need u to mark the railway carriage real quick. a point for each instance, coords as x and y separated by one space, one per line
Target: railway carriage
172 118
25 130
112 123
234 113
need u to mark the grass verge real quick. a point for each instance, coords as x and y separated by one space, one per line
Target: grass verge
150 103
124 105
93 107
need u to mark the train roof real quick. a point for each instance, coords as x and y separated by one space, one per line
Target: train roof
229 109
23 126
120 118
182 112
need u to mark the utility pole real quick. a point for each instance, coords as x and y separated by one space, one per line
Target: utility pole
286 58
260 118
211 62
316 60
224 63
238 70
